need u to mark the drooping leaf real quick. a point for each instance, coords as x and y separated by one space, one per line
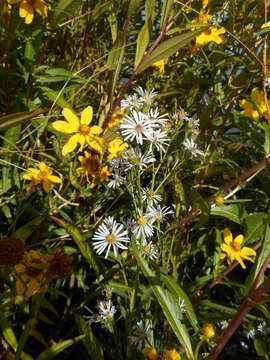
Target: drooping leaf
56 349
230 212
168 303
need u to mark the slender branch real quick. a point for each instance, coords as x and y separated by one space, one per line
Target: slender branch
264 66
227 334
160 37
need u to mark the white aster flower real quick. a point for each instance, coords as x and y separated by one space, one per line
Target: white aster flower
141 333
109 235
223 324
146 196
191 146
182 305
131 102
262 328
193 123
106 310
116 180
267 82
250 334
136 127
137 159
148 249
156 119
159 213
144 226
159 139
146 96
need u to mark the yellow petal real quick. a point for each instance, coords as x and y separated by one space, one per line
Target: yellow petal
239 259
222 256
13 1
64 127
71 117
87 115
71 144
54 179
246 251
95 143
228 236
26 11
266 25
95 130
33 288
46 185
238 240
82 141
43 167
20 287
40 8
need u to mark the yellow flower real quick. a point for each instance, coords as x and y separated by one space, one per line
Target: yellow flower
219 199
250 110
232 249
160 66
116 118
209 331
42 175
81 130
150 353
116 148
91 165
31 274
212 34
266 25
27 8
171 355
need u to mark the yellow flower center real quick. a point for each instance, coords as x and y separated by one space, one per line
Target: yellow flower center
236 247
84 129
142 220
110 239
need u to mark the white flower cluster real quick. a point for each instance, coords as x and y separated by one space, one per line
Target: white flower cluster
105 315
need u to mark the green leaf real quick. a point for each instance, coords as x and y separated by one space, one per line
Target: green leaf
27 230
85 249
63 9
29 52
56 349
168 303
169 47
254 227
91 344
28 327
142 43
166 9
133 6
8 121
53 95
11 136
230 212
8 333
175 289
266 146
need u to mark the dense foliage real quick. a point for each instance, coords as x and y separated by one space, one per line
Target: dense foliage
134 179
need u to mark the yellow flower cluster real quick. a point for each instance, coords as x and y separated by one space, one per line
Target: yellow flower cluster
233 251
35 271
212 34
28 7
255 108
151 354
43 176
83 134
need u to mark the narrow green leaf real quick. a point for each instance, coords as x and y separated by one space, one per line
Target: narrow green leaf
267 138
91 344
166 9
119 61
8 333
56 349
8 121
173 286
28 327
81 242
170 47
230 212
63 9
142 43
133 6
52 95
27 230
168 303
